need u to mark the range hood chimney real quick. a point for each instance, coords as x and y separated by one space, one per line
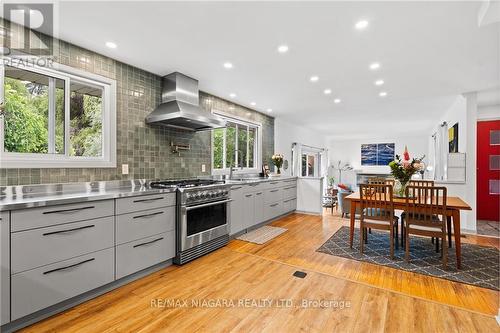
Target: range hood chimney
180 106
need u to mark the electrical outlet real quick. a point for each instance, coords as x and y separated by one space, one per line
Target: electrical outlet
124 169
203 168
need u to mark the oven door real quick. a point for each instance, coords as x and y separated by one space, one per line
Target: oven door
203 222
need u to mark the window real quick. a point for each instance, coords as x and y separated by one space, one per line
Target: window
309 164
236 145
56 118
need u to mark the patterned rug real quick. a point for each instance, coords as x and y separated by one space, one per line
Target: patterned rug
480 264
262 234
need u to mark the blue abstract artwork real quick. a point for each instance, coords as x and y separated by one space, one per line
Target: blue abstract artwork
377 154
368 154
385 153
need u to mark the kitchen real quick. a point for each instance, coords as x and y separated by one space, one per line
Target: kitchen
151 174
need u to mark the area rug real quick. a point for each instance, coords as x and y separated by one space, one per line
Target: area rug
262 234
480 264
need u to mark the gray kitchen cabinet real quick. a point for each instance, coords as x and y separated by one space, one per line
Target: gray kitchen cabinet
144 202
142 224
143 253
4 267
236 210
31 218
259 207
43 246
273 195
272 210
248 210
41 287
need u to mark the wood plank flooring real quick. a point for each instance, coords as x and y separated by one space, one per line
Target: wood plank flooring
375 299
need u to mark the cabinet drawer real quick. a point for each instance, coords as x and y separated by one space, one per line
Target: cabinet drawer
140 254
273 195
138 225
289 192
290 182
46 216
289 205
43 246
274 210
39 288
144 202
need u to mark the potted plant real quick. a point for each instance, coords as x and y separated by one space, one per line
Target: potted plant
278 162
403 169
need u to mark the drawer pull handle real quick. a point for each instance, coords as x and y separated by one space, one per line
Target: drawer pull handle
147 215
73 210
274 205
273 183
273 191
150 242
68 267
254 184
236 188
148 200
248 195
258 193
68 230
289 188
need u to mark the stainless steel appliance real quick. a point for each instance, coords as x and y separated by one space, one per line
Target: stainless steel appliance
180 106
202 216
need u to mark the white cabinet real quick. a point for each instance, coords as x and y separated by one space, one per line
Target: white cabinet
236 210
5 268
259 202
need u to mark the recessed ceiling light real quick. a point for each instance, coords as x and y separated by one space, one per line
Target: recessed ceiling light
327 91
228 65
374 66
111 45
314 78
383 94
379 82
269 110
337 100
360 25
283 48
232 95
253 104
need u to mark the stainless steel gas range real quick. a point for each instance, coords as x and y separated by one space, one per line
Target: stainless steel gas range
202 216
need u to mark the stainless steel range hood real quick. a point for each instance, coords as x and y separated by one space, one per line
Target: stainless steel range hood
180 106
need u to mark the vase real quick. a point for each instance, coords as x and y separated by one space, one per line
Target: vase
278 171
400 188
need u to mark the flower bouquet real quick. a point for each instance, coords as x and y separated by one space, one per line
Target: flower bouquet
403 169
278 162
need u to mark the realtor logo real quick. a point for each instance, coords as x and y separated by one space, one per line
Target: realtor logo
28 29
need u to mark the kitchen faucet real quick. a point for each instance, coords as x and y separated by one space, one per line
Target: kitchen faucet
240 165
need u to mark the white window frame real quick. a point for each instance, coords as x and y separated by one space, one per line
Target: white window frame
257 149
66 73
316 155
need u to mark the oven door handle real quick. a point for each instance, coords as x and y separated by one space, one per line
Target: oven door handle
209 204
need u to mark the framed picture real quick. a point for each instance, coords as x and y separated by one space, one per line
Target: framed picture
377 154
453 139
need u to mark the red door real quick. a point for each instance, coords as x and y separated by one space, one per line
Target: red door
488 170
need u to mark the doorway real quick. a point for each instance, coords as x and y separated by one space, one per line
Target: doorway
488 177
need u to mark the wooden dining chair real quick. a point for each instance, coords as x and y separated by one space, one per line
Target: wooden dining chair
377 212
426 183
425 211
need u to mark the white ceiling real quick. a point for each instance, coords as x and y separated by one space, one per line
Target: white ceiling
429 52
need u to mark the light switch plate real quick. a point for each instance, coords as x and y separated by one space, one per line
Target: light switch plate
203 168
124 169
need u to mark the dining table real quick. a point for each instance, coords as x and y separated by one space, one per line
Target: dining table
453 207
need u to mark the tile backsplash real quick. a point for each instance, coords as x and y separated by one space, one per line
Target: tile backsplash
145 148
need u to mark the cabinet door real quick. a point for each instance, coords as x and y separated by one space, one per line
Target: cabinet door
259 207
236 210
248 210
5 268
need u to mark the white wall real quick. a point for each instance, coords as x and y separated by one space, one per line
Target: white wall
490 112
465 112
349 151
286 133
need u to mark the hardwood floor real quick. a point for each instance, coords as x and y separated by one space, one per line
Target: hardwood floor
374 298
